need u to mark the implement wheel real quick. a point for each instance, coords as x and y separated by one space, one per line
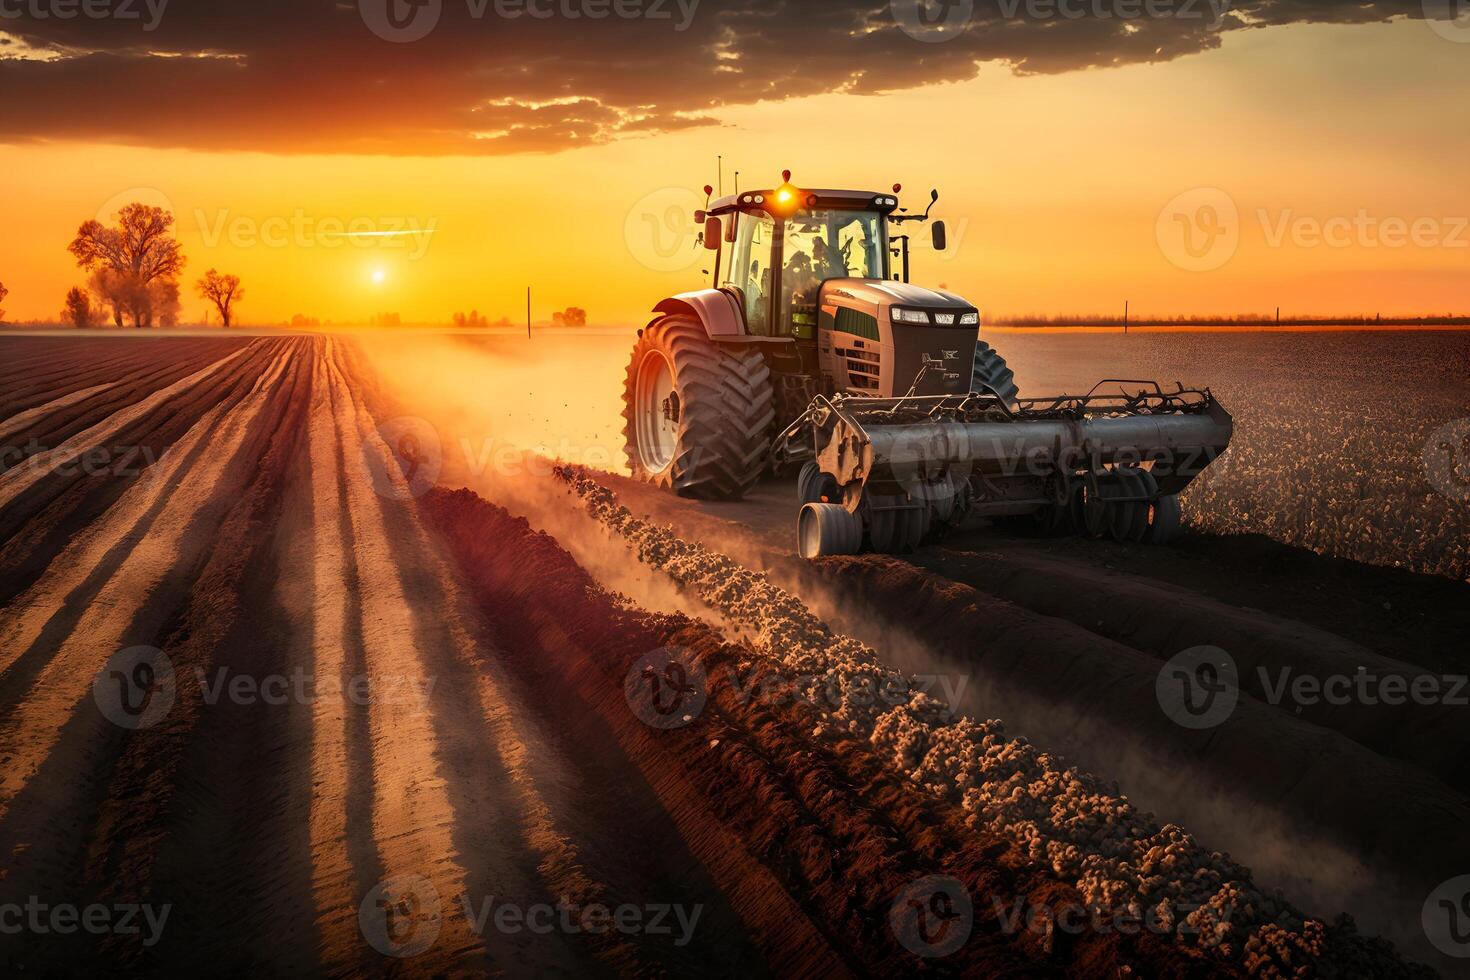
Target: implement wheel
1163 519
1128 520
828 529
697 414
1090 507
894 527
815 487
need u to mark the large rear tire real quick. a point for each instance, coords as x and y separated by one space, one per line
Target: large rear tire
697 414
992 372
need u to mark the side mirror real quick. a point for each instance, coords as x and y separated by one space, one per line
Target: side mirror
713 233
940 239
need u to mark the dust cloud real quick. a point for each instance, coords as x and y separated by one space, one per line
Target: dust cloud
503 410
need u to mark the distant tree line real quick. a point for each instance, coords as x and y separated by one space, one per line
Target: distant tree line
1238 320
572 316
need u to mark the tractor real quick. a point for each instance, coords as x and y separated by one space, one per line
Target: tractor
808 351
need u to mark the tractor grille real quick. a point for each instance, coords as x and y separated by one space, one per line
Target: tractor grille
862 369
856 323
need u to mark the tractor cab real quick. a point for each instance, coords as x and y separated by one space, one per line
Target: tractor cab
776 256
813 270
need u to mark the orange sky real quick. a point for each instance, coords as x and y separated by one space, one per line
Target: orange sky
1053 187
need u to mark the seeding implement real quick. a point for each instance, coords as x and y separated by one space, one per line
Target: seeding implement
808 351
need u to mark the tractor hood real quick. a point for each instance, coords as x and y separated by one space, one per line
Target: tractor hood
872 352
882 292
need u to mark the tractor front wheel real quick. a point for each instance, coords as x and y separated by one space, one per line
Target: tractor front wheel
991 373
697 414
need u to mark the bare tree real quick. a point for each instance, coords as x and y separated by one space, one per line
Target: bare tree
121 292
163 302
139 252
223 291
78 310
3 293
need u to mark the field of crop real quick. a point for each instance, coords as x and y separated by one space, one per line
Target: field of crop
1337 435
317 696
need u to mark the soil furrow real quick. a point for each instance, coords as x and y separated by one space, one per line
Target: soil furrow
1268 651
496 750
175 540
80 499
150 376
412 816
325 563
16 480
186 786
20 422
88 559
132 363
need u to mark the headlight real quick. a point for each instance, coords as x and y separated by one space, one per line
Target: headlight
970 320
944 319
908 316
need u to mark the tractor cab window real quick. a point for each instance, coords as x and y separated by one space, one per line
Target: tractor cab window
822 245
750 271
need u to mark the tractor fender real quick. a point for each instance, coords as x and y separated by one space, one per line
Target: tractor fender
715 308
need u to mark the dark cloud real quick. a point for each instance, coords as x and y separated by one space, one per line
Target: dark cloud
313 76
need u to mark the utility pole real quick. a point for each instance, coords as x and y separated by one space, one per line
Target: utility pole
1125 317
528 312
721 168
